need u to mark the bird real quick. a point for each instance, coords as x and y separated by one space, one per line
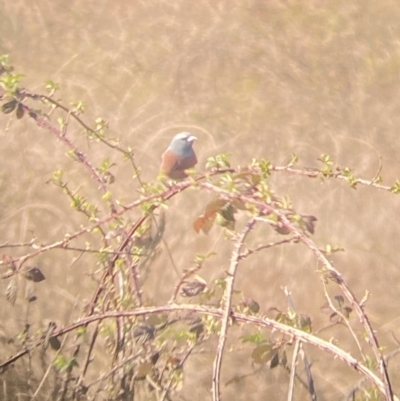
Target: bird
179 156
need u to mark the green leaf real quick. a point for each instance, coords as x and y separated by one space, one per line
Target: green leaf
20 111
396 187
80 331
304 323
294 160
63 363
256 338
79 107
34 274
10 82
262 353
107 195
11 292
274 361
328 163
220 161
9 106
52 86
55 343
339 299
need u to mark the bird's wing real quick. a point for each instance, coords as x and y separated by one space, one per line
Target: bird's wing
174 166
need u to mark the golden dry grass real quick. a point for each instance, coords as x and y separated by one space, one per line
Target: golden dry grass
252 78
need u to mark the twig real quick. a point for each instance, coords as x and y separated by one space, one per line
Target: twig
351 394
299 349
344 320
293 369
310 380
230 280
48 370
266 208
165 195
290 331
185 276
179 366
248 252
314 173
43 123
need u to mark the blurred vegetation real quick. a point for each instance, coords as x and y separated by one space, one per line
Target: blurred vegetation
295 106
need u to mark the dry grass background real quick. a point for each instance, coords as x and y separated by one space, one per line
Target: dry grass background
252 78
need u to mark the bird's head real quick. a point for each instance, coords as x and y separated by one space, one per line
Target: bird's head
182 144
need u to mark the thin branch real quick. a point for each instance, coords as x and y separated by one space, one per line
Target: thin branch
267 208
310 380
315 173
307 172
344 320
49 369
42 122
230 280
298 349
134 282
178 366
290 331
21 245
351 395
259 248
293 369
185 276
165 195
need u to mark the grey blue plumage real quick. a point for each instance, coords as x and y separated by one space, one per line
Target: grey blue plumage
179 156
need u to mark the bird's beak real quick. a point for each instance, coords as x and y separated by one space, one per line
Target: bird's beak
191 138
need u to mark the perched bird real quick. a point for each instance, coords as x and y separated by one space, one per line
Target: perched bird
179 156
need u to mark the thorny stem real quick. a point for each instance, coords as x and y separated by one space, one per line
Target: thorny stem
266 208
290 331
230 280
44 123
63 243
